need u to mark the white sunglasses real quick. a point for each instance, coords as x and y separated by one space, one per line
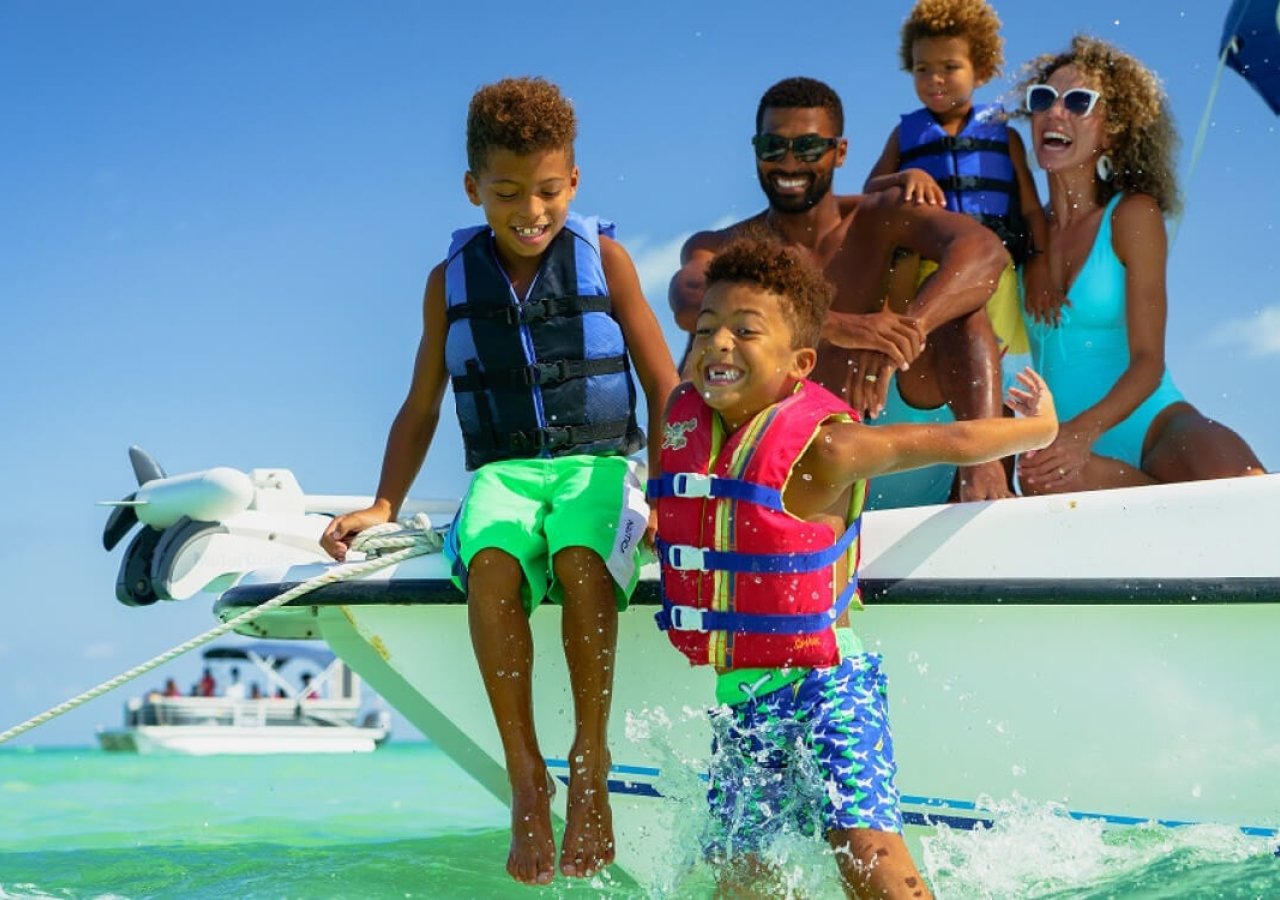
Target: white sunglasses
1077 101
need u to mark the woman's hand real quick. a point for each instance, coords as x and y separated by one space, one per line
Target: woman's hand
1060 466
1045 300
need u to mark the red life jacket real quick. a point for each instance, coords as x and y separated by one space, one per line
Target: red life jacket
744 582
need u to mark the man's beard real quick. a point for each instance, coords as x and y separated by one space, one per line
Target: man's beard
818 188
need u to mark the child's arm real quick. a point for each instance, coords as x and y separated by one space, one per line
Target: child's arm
412 430
917 185
643 336
1044 300
854 452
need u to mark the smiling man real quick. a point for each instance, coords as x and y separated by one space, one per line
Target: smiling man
935 358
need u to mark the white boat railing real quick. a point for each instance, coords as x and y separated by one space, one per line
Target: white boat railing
252 712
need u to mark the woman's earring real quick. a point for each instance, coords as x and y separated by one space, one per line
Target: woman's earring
1106 169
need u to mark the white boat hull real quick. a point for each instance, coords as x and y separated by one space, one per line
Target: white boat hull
1112 652
208 740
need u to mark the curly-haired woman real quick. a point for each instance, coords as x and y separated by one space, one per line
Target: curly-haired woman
1102 131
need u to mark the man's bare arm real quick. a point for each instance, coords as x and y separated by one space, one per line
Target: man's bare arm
684 294
970 257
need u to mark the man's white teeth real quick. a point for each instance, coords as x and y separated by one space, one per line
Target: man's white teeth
532 231
790 183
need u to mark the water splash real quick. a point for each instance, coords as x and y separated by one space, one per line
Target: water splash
1038 850
697 845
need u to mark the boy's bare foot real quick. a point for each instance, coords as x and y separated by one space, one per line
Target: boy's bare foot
588 844
532 859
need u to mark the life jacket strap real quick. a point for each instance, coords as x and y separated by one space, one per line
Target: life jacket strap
531 311
695 485
537 440
553 372
957 183
690 618
951 143
685 558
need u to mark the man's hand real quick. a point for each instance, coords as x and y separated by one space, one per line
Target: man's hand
869 375
898 337
337 538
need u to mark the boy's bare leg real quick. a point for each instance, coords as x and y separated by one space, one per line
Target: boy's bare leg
876 864
747 878
503 645
590 632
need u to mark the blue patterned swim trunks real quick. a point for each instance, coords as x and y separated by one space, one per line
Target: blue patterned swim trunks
811 757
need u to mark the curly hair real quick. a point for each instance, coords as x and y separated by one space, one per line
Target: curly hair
523 115
1144 140
802 93
973 20
770 265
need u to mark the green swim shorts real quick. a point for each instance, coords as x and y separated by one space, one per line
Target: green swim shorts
534 508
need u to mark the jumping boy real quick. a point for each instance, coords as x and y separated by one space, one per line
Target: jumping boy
536 319
762 480
953 154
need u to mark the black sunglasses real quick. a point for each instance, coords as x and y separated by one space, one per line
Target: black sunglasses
1077 101
807 148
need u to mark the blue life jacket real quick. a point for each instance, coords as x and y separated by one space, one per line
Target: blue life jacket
973 168
544 375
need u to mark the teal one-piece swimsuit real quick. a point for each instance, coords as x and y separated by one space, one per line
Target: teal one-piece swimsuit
1084 355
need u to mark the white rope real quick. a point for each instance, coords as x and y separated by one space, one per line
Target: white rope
414 538
1203 131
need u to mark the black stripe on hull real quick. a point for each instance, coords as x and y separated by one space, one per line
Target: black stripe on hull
881 592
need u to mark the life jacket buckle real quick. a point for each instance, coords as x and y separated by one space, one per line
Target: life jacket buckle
686 618
691 484
553 438
545 373
686 558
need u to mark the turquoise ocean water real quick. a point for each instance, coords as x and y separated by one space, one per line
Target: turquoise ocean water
405 822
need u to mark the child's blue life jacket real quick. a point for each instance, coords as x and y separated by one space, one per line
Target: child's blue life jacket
973 168
544 375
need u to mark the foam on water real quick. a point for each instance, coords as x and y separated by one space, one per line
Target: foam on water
1038 850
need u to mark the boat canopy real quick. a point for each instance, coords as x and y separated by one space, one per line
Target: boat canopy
1251 45
280 652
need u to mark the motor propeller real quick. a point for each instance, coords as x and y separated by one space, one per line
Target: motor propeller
145 468
125 514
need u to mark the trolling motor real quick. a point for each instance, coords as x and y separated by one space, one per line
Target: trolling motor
201 531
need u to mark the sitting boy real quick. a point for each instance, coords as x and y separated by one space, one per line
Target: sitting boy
763 476
536 319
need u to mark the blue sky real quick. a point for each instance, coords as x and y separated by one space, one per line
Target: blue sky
221 217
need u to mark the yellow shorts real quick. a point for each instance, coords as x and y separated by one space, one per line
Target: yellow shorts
1004 309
